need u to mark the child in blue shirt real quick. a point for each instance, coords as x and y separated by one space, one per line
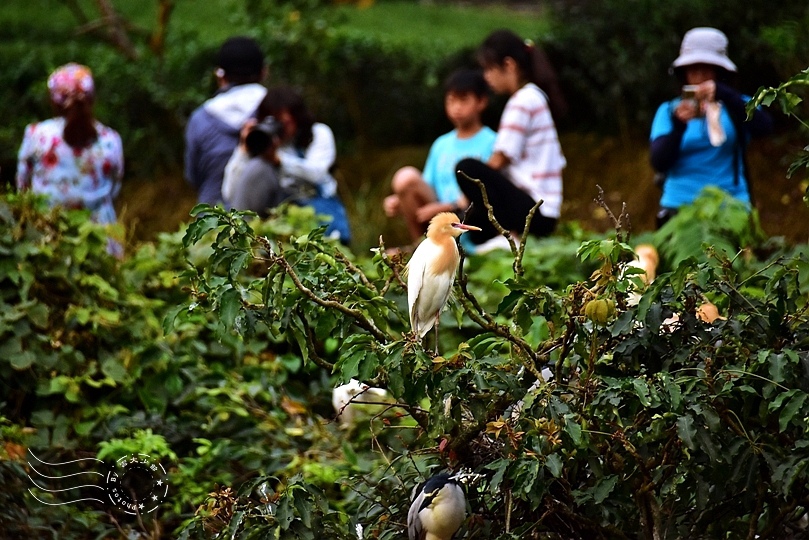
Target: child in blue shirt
420 195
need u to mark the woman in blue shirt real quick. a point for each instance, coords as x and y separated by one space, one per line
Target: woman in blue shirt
698 139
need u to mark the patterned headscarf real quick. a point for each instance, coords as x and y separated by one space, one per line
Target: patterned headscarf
69 83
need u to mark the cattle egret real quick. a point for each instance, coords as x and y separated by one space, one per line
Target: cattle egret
431 273
438 509
347 397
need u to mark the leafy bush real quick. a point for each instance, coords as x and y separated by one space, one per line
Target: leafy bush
650 423
669 428
86 370
719 223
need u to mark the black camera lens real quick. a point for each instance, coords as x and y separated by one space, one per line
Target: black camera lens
257 142
260 137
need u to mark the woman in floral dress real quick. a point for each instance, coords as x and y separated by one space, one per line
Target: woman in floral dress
73 159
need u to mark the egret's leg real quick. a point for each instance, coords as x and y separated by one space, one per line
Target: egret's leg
436 336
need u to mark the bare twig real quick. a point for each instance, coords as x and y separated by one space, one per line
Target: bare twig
490 211
517 251
622 225
390 263
508 510
487 322
78 12
518 271
116 29
340 256
157 41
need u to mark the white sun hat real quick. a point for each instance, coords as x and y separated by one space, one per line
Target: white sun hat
704 46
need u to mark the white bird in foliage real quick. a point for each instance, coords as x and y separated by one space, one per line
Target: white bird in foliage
347 397
431 272
437 510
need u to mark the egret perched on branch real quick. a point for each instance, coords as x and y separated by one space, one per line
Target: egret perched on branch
431 272
438 509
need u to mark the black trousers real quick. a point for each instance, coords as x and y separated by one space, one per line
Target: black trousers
511 205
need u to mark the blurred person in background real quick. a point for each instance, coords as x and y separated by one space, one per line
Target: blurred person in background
419 195
286 156
73 159
527 161
699 138
214 127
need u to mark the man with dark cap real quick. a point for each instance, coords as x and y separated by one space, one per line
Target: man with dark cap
212 132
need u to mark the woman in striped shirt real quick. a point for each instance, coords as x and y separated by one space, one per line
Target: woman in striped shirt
527 161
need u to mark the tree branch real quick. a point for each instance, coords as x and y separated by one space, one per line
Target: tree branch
622 225
357 315
157 42
116 29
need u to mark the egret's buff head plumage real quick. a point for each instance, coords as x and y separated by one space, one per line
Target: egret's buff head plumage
447 224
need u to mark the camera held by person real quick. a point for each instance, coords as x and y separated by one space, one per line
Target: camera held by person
263 135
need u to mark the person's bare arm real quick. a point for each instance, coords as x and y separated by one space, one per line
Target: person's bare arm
498 161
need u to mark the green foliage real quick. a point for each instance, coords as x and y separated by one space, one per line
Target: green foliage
87 369
789 96
439 21
143 441
718 223
215 349
648 424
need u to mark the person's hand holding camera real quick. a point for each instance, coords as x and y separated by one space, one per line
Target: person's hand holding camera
692 104
246 128
706 91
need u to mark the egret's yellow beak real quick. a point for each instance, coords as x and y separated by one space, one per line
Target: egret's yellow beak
465 227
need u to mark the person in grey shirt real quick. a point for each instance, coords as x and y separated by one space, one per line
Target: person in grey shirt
286 156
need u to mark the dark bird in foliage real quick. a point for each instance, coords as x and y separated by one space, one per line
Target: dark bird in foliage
438 509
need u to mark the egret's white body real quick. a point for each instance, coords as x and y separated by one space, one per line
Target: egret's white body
429 285
431 271
438 509
343 399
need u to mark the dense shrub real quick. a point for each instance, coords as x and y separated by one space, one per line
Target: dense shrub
86 370
215 349
654 418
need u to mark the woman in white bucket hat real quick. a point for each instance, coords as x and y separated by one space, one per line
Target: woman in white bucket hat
698 139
